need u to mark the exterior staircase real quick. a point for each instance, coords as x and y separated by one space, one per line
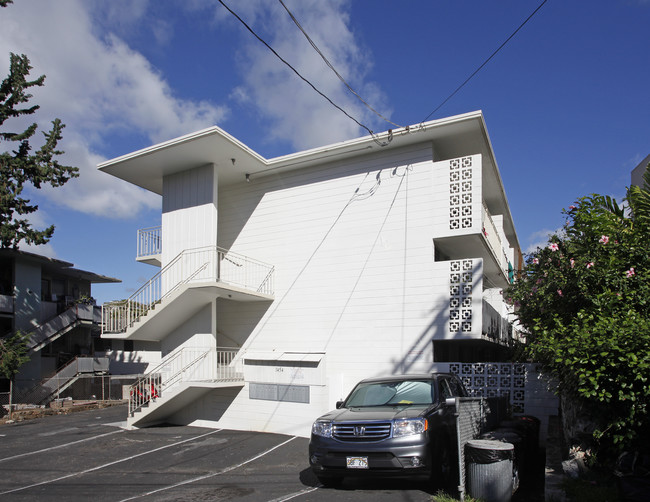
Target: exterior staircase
206 272
180 378
51 387
63 323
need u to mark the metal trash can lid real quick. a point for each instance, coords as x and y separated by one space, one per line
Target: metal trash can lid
484 451
487 444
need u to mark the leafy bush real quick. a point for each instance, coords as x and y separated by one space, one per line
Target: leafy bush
584 300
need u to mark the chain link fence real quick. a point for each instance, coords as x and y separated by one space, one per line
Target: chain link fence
83 388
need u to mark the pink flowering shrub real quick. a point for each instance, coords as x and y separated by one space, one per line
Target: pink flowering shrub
584 300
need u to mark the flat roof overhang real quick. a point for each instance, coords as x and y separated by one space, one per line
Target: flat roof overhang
450 137
60 267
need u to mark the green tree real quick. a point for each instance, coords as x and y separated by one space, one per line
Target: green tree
21 167
13 354
584 300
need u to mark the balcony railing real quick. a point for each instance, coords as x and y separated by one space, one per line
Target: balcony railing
149 242
208 264
494 241
495 326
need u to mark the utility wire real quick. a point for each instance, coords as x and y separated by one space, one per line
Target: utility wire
303 78
486 61
331 66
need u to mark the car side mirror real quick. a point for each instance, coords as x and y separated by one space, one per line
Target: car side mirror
339 404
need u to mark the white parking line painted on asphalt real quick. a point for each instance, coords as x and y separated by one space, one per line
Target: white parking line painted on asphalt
14 457
208 476
296 494
109 463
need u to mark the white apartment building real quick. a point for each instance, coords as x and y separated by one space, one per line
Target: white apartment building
284 281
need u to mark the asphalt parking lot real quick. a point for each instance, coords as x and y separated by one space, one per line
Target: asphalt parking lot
89 455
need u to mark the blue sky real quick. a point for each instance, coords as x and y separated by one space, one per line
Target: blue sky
566 102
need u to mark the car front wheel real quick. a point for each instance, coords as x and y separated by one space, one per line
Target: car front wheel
330 481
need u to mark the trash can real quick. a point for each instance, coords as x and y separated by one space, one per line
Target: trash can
529 427
516 439
489 470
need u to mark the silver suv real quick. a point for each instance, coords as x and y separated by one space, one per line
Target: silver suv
393 426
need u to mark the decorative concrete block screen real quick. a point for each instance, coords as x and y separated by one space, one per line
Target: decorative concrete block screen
494 380
529 393
460 193
461 286
457 196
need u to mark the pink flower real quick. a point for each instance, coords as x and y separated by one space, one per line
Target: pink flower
536 261
590 264
553 246
559 292
630 272
604 239
572 207
573 262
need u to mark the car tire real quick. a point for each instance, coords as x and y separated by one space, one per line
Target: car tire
330 481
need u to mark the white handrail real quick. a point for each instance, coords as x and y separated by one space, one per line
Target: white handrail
185 365
209 263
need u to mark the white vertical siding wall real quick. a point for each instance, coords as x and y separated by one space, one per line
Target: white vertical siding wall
194 332
352 245
189 217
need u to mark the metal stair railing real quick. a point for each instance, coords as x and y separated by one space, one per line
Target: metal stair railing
60 324
185 365
66 375
117 317
210 263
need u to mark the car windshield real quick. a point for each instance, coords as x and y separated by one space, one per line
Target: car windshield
392 393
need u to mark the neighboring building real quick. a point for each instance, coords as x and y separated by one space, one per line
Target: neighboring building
637 172
51 302
285 281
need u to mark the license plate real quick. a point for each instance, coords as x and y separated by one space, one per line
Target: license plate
357 462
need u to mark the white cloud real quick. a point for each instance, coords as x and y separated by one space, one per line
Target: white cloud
297 113
95 192
540 238
97 86
43 250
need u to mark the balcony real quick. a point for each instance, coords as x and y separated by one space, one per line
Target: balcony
495 327
487 245
150 245
494 242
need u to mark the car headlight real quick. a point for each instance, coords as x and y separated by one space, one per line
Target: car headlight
322 428
409 426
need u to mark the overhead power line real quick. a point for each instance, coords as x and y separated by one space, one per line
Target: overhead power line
301 77
331 66
486 61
